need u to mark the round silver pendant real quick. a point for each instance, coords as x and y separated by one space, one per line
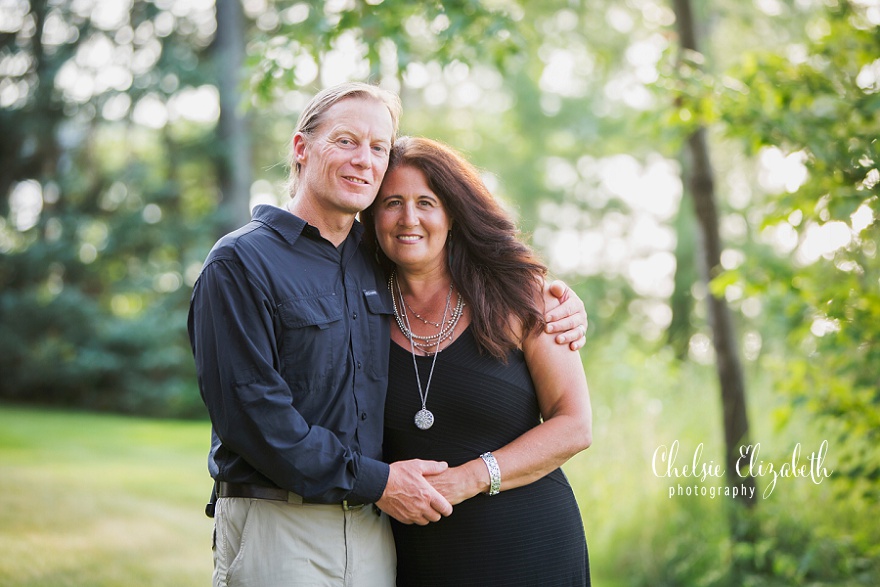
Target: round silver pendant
424 419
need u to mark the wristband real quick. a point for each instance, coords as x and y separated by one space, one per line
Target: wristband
494 472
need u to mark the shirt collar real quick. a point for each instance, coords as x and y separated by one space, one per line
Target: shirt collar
287 225
290 226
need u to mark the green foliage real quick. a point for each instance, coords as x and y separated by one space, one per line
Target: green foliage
816 97
823 105
790 552
393 34
71 334
803 534
92 286
690 544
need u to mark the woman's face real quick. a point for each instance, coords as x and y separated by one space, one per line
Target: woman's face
411 221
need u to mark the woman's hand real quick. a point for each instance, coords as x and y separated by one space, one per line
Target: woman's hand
457 484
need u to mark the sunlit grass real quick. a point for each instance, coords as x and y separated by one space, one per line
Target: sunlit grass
96 500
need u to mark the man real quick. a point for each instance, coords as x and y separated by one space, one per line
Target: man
289 325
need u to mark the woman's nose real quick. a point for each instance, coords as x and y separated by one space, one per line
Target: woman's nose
409 216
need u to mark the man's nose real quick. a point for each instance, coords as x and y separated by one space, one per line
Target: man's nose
362 157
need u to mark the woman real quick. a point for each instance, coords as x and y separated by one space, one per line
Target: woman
475 383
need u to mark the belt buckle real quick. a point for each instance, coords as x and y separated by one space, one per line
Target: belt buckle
350 508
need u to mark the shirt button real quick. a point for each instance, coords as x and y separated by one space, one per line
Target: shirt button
359 364
364 416
354 316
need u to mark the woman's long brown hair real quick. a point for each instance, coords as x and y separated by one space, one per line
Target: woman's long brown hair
499 276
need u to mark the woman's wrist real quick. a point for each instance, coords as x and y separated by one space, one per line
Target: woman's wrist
476 479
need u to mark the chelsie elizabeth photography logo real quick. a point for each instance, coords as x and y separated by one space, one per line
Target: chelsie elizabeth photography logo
749 465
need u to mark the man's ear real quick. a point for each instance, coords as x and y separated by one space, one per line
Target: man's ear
299 147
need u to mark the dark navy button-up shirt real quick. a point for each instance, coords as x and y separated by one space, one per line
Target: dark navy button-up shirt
290 336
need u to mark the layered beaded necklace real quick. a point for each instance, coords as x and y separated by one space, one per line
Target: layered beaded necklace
424 419
446 328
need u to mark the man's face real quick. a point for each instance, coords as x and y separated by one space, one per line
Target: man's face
343 163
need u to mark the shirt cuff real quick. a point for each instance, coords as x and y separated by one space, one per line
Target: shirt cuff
371 480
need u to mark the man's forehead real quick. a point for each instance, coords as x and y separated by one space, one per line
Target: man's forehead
362 116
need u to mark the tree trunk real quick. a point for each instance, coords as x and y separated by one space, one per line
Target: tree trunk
681 329
234 161
701 185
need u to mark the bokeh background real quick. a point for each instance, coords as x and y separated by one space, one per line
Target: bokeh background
704 174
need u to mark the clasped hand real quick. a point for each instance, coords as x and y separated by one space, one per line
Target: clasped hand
409 497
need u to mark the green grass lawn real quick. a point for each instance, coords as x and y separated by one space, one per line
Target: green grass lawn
97 500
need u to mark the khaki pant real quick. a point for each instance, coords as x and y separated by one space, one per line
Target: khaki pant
264 543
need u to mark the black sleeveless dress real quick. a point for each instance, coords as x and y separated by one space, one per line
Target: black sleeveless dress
529 536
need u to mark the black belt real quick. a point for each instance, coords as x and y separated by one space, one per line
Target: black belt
225 489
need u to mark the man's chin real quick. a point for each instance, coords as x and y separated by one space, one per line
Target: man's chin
358 203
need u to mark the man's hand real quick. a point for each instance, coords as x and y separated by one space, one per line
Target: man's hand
409 498
569 318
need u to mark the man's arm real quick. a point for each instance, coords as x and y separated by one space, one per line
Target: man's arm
250 404
569 318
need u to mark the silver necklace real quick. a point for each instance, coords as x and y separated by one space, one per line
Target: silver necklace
424 419
424 343
411 310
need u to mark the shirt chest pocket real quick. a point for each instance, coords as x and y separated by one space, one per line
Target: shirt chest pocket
379 312
311 341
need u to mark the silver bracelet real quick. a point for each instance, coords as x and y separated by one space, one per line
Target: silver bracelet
494 472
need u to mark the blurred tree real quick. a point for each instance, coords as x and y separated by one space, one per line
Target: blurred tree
819 108
235 159
104 195
702 191
681 324
368 39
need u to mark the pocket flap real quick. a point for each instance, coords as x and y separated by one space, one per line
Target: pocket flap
377 303
317 311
